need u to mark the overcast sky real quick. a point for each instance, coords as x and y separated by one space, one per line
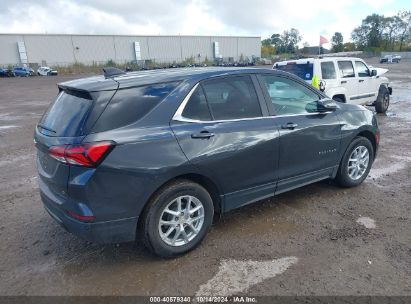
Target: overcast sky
192 17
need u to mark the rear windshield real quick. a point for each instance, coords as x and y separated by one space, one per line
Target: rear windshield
66 115
131 104
302 70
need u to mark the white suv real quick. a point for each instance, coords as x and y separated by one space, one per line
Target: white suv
344 79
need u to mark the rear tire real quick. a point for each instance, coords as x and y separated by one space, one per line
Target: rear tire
356 163
383 100
177 219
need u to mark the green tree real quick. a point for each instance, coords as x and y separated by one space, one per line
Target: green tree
290 39
337 42
369 33
377 32
349 47
276 40
405 28
266 42
267 51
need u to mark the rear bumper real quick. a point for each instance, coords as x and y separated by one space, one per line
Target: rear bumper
114 231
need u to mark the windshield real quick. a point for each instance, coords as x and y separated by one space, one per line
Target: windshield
304 70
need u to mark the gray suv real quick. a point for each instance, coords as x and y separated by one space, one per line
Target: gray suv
156 154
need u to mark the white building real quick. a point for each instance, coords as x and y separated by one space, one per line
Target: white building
58 49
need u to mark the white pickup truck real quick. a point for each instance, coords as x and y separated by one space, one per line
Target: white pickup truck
344 79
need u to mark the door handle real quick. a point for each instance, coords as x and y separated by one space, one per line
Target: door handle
343 81
361 80
202 134
290 126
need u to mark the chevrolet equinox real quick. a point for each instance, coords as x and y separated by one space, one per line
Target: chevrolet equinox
156 154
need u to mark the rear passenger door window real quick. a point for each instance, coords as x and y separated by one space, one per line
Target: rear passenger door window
232 98
289 97
328 70
346 69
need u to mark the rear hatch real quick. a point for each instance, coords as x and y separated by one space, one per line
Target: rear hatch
301 68
66 122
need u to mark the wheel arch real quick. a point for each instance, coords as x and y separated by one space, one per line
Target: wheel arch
371 137
200 179
340 96
338 92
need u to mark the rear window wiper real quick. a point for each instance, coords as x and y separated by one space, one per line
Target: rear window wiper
46 128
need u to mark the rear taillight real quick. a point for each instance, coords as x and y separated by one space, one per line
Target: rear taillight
87 155
82 218
377 137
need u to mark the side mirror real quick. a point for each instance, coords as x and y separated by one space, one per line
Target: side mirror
322 85
326 105
373 73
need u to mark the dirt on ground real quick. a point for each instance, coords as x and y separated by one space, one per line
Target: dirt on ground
316 240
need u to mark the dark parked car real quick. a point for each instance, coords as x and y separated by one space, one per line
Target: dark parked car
157 154
390 58
22 71
4 72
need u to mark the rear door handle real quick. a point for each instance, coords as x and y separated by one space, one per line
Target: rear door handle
343 81
202 134
290 126
361 80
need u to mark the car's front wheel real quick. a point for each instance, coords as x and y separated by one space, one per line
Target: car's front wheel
383 100
177 218
356 163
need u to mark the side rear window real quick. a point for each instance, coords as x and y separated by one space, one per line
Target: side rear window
197 107
346 69
328 70
232 98
66 115
131 104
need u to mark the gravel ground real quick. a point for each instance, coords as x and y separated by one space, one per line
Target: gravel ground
316 240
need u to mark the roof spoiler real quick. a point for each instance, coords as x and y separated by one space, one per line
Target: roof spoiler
111 72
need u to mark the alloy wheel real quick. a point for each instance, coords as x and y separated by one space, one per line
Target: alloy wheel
181 220
358 162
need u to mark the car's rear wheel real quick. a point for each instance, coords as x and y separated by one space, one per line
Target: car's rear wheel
356 163
177 218
383 100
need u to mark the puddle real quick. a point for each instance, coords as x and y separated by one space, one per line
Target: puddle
390 114
9 116
234 276
8 127
16 159
367 222
380 172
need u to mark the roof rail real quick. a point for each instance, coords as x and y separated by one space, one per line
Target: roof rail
111 72
340 54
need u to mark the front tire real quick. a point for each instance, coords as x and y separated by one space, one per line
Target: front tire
383 100
177 219
356 163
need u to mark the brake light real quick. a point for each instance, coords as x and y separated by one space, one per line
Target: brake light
377 137
82 218
87 155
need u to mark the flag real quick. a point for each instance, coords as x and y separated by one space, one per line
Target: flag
314 82
323 40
